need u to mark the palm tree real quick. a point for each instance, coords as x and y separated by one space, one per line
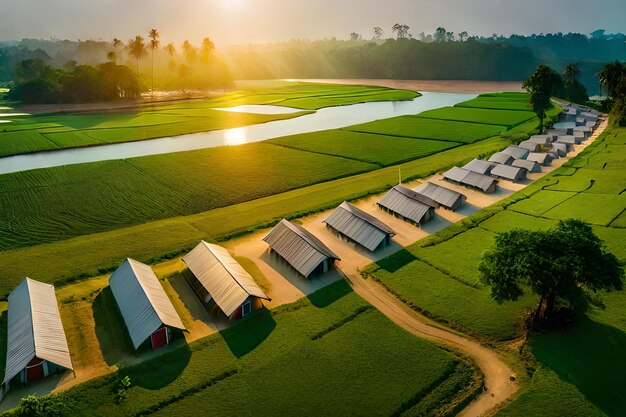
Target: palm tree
171 50
206 50
154 44
114 54
571 71
610 76
137 49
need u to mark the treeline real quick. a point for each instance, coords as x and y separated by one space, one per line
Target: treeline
440 55
35 82
396 59
157 66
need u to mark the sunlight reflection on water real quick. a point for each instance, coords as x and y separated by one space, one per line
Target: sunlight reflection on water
236 136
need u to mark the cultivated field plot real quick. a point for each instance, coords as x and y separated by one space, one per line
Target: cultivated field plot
270 355
508 118
372 148
46 132
579 368
95 254
81 199
499 101
417 127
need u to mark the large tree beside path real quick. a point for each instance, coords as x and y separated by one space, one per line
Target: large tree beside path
563 264
542 85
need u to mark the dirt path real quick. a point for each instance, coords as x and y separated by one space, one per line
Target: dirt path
497 374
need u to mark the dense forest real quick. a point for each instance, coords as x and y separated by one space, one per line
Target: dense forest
441 55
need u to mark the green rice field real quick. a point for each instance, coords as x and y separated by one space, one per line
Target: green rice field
417 127
283 354
578 368
379 149
508 118
55 131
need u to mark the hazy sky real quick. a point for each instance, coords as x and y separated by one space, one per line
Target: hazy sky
230 22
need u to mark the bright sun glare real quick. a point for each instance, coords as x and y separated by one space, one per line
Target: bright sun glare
232 4
236 136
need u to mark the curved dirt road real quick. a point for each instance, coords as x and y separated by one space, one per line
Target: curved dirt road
497 374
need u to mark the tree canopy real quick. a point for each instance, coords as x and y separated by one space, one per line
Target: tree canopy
37 82
542 85
563 263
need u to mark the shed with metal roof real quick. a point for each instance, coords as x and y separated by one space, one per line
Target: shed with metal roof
479 166
561 148
541 139
569 139
509 172
36 343
501 158
530 146
516 152
146 309
300 248
448 198
223 286
530 166
359 226
471 179
408 205
542 158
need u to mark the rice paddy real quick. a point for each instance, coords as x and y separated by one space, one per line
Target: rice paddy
47 132
577 368
276 354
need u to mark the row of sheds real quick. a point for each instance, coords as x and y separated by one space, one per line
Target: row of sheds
307 255
36 341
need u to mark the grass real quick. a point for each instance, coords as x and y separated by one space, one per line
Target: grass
47 132
98 253
377 149
417 127
499 101
579 370
508 118
285 363
469 309
74 200
549 396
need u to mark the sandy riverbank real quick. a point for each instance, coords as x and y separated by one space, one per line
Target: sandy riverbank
437 86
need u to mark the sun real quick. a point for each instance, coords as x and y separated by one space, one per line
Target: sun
232 4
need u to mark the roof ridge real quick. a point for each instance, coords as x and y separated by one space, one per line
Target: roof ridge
147 293
372 220
305 238
227 268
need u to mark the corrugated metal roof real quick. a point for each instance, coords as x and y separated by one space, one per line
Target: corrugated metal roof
509 172
444 196
222 276
34 328
501 158
516 152
358 225
569 139
469 178
540 139
530 166
298 246
539 157
406 203
531 146
142 300
479 166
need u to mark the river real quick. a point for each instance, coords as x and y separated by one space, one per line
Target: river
326 118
